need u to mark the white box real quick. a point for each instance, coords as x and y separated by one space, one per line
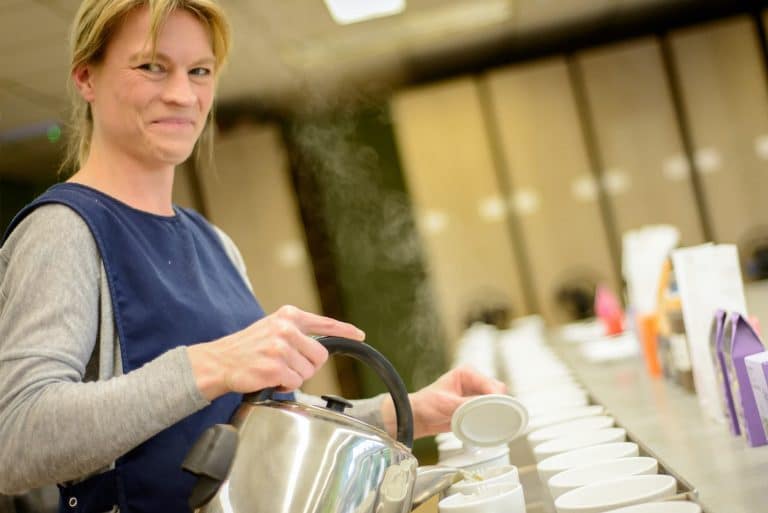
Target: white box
757 369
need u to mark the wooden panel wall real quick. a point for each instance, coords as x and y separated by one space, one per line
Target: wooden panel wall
462 221
639 139
724 92
554 193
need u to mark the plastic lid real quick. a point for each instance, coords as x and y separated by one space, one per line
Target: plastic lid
489 420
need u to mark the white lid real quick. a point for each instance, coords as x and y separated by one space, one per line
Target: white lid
489 420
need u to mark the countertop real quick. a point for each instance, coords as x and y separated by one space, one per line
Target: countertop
730 477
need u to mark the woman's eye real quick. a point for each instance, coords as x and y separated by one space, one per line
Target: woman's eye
200 72
151 67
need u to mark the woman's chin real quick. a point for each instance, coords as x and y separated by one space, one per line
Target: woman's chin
172 154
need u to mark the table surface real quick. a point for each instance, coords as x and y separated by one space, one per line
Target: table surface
730 476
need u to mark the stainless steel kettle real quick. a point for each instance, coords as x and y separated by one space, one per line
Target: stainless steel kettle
288 457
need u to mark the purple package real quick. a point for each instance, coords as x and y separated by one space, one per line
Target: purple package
744 342
716 336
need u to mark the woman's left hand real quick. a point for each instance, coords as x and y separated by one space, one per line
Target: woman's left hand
434 404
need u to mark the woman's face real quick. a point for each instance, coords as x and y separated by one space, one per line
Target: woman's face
152 109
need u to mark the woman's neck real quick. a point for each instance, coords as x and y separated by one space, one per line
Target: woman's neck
125 179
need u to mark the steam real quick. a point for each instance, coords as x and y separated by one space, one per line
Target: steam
369 219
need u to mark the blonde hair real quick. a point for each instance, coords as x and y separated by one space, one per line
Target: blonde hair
95 23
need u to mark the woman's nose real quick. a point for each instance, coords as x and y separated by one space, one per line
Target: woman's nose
179 89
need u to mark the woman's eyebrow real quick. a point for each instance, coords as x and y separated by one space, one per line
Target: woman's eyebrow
209 61
146 56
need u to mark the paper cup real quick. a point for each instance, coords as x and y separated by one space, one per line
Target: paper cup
602 471
616 493
661 507
554 406
578 412
449 448
479 458
577 441
504 474
580 457
570 427
503 498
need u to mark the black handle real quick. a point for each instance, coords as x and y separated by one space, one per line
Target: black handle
374 359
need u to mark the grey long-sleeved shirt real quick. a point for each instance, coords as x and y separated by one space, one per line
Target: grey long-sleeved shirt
66 408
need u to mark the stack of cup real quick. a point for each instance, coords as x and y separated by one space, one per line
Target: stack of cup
481 430
604 496
479 445
554 465
583 461
503 498
575 444
477 348
661 507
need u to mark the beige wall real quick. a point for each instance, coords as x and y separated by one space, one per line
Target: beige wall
449 171
555 194
724 92
250 197
183 188
638 138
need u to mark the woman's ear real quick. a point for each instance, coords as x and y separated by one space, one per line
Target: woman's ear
82 76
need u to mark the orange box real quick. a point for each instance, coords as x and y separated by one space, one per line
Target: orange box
648 326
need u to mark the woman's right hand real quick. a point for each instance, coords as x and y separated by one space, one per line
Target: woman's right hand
275 351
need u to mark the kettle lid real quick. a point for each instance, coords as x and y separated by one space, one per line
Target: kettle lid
489 420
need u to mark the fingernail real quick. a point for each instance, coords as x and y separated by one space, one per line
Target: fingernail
361 334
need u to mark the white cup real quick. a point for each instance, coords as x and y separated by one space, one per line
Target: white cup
601 471
504 474
479 458
500 498
522 389
554 392
569 427
549 407
661 507
449 448
542 421
554 465
616 493
577 441
444 437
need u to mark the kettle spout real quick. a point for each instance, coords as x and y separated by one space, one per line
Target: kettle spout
433 479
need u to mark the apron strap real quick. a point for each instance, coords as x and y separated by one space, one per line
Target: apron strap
97 494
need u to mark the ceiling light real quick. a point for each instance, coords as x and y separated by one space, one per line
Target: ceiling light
345 12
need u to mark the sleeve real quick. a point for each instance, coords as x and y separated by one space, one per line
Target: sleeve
230 248
367 410
55 427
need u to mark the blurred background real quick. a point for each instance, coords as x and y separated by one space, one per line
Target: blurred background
413 165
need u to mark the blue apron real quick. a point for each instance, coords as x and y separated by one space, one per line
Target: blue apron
171 284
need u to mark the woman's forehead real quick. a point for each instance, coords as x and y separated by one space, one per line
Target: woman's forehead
181 30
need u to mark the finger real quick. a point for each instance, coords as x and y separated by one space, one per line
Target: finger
290 381
299 363
474 383
306 346
311 323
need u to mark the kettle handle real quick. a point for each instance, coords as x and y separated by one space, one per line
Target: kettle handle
374 359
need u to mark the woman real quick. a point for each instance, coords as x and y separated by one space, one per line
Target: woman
127 325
